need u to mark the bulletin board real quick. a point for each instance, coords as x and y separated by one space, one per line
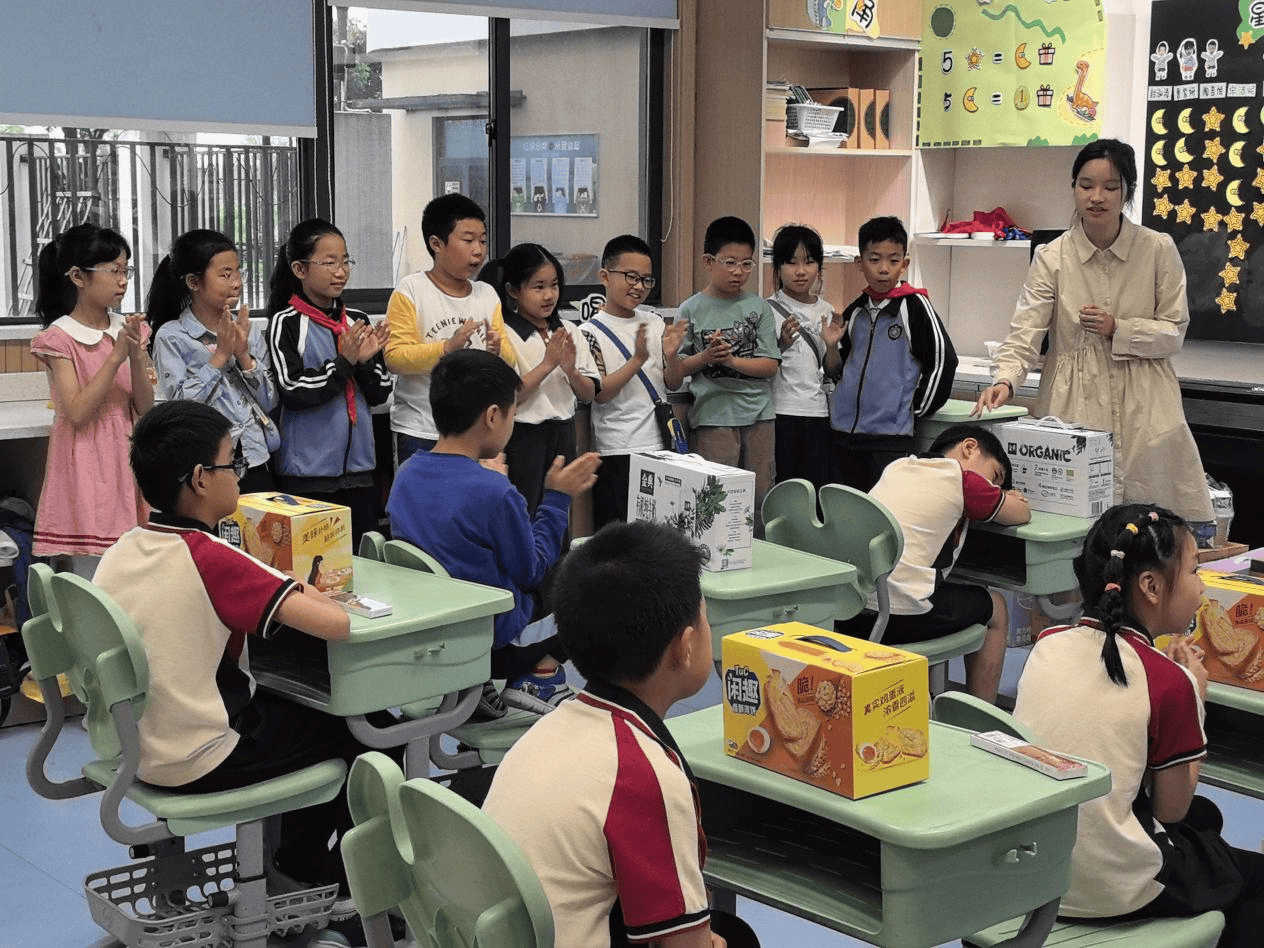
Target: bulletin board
1203 177
553 175
1025 72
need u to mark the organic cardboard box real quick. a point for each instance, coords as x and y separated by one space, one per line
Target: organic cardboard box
309 538
712 504
844 714
1061 468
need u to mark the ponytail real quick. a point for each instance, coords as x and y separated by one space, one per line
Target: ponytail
1125 542
516 268
82 246
169 292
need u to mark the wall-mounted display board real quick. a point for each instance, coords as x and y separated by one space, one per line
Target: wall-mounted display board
1011 73
1203 164
553 174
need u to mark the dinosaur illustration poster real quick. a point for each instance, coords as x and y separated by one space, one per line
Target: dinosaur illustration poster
1011 72
1202 168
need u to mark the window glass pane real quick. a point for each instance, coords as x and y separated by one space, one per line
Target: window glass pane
411 106
578 139
150 191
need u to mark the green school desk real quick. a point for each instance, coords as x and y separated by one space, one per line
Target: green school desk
1233 754
781 585
956 411
435 646
983 840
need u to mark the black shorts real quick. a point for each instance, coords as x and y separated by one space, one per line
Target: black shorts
953 607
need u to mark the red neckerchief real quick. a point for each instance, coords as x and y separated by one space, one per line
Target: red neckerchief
901 289
337 327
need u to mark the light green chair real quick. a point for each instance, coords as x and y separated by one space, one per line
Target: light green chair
858 530
488 741
212 896
453 874
373 546
1201 931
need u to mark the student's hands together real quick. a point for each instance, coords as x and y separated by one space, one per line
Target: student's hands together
373 340
718 348
673 336
555 350
1188 656
461 338
493 339
133 333
641 351
574 478
567 358
832 329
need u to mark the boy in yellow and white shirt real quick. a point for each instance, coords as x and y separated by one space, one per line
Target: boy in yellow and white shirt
437 311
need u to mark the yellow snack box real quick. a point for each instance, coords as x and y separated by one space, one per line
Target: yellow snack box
844 714
1229 628
309 538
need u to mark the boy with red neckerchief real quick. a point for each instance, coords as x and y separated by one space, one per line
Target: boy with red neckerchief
894 364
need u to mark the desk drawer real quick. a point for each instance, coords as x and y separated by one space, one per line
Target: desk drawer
388 672
813 606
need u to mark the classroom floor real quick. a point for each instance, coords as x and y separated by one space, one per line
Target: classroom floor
47 847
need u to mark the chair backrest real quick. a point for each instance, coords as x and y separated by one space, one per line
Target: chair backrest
975 714
452 872
372 546
402 553
38 592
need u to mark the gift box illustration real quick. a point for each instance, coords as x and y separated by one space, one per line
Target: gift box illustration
1045 54
1044 96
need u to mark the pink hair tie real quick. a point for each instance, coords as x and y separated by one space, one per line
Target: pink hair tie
1113 587
1154 517
1119 554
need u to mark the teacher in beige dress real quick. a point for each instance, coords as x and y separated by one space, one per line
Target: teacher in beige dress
1111 296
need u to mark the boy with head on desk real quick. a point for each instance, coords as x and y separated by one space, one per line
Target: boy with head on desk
894 364
731 355
934 497
598 795
194 599
475 522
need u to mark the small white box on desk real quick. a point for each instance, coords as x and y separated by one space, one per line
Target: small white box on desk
1029 755
712 504
1062 468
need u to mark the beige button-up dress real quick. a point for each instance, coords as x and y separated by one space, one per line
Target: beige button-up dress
1125 385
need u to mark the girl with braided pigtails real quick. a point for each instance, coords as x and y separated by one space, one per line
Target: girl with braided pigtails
1102 691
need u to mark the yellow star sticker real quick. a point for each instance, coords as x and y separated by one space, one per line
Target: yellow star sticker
1257 212
1234 219
1238 248
1229 274
1212 178
1246 39
1259 179
1227 301
1162 206
1211 219
1163 178
1185 177
1213 149
1184 212
1212 120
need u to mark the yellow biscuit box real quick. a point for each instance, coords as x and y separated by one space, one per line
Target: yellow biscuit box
309 538
1229 628
844 714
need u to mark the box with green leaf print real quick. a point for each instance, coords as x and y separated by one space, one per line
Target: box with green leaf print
712 504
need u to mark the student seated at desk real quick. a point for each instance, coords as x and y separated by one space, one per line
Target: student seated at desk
194 599
1101 690
598 794
933 497
475 522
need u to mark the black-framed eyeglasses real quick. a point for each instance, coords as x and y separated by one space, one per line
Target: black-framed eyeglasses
635 279
238 465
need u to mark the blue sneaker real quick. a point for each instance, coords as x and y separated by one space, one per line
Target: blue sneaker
538 694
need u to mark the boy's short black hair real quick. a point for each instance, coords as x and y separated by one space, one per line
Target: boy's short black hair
168 442
727 230
618 246
988 443
441 215
621 597
465 384
878 230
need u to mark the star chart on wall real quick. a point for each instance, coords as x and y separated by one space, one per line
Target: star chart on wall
1203 180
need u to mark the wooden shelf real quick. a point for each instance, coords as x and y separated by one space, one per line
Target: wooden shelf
971 244
840 152
852 42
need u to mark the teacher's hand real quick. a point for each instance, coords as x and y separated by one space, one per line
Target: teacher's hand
1096 320
994 396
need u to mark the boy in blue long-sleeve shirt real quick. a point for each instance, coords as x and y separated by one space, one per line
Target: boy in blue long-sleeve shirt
475 522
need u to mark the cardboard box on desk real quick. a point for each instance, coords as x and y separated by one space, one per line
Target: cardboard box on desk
844 714
309 538
713 504
1061 468
1229 629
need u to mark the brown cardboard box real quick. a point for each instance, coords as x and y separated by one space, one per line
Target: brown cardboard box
882 118
844 714
842 99
865 127
1230 630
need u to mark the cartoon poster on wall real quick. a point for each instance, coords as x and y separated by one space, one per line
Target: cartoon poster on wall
553 174
1023 72
1203 164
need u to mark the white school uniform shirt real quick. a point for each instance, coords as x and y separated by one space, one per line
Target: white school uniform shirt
553 400
625 424
798 388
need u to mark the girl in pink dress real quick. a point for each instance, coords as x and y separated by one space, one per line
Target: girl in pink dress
101 381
